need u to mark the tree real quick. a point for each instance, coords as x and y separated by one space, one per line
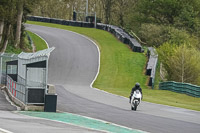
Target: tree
165 53
12 14
179 64
154 35
107 7
185 68
121 11
8 8
20 9
174 12
22 6
189 16
3 7
1 29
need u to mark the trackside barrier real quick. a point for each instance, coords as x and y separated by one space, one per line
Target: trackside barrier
17 90
119 33
122 36
151 65
60 21
184 88
27 95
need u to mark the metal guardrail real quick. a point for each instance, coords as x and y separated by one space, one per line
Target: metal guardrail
185 88
27 95
151 65
116 31
16 89
25 75
60 21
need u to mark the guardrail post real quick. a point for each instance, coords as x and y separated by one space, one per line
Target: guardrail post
26 88
15 89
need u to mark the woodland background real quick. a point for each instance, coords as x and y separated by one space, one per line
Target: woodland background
171 26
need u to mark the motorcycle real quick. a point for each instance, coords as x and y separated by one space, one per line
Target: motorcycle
135 99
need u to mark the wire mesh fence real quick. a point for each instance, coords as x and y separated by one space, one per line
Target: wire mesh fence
5 57
25 75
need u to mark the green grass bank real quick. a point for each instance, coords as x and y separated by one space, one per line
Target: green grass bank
37 41
121 68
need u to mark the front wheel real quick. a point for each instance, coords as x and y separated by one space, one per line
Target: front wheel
135 108
135 105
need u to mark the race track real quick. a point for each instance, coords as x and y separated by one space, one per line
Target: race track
74 64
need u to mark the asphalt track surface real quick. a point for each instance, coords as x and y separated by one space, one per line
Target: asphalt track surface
74 64
17 123
12 122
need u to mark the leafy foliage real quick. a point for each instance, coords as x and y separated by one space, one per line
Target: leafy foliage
12 15
179 64
154 35
167 24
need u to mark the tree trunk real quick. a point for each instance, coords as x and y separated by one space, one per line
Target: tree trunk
6 39
19 24
1 29
107 5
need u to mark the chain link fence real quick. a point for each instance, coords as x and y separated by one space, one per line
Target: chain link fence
5 57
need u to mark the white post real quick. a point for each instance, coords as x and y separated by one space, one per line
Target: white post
95 22
46 76
86 8
26 86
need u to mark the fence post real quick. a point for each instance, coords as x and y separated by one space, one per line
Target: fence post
26 89
12 87
15 89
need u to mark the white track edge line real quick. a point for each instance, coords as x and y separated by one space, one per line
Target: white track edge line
40 37
4 131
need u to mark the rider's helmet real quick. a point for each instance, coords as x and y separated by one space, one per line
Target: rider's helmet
137 85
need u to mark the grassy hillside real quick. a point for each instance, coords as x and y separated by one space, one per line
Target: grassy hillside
121 68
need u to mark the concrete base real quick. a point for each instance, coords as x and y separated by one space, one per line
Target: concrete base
34 108
19 103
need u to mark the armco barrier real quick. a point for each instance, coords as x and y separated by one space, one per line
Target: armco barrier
184 88
122 36
60 21
151 65
116 31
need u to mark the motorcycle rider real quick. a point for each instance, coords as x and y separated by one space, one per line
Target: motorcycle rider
136 87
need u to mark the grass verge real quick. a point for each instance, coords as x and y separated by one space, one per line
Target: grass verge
121 69
37 41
